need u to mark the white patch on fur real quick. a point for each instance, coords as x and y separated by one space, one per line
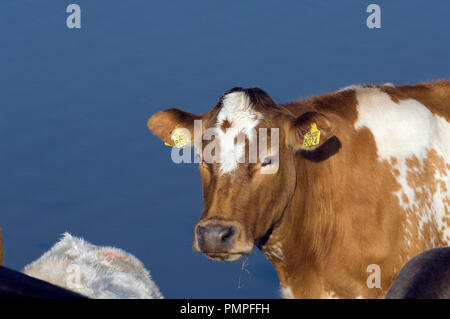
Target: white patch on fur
275 252
350 87
287 293
403 130
331 295
441 198
238 110
94 271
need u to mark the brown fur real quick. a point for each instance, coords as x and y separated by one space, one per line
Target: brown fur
329 212
433 95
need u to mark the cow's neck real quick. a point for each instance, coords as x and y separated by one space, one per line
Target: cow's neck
306 234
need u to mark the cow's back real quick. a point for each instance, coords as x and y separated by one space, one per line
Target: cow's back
411 128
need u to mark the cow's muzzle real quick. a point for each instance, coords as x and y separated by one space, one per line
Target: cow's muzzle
216 238
219 241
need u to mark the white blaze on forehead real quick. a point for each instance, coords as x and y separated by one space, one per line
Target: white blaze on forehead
402 131
238 111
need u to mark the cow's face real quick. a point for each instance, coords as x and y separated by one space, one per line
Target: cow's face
246 148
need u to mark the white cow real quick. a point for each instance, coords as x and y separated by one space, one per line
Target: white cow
94 271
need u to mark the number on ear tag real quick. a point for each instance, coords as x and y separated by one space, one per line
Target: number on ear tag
312 138
179 138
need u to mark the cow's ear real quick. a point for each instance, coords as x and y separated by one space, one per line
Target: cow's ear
309 131
175 127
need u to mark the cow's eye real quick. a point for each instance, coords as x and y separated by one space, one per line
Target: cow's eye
267 161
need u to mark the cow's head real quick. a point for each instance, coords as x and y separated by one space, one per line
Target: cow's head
244 197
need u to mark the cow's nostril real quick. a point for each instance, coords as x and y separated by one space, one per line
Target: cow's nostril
227 234
201 230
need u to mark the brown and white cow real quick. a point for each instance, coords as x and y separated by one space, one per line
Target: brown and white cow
375 190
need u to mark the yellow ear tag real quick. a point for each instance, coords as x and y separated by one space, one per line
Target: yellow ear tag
179 138
312 138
